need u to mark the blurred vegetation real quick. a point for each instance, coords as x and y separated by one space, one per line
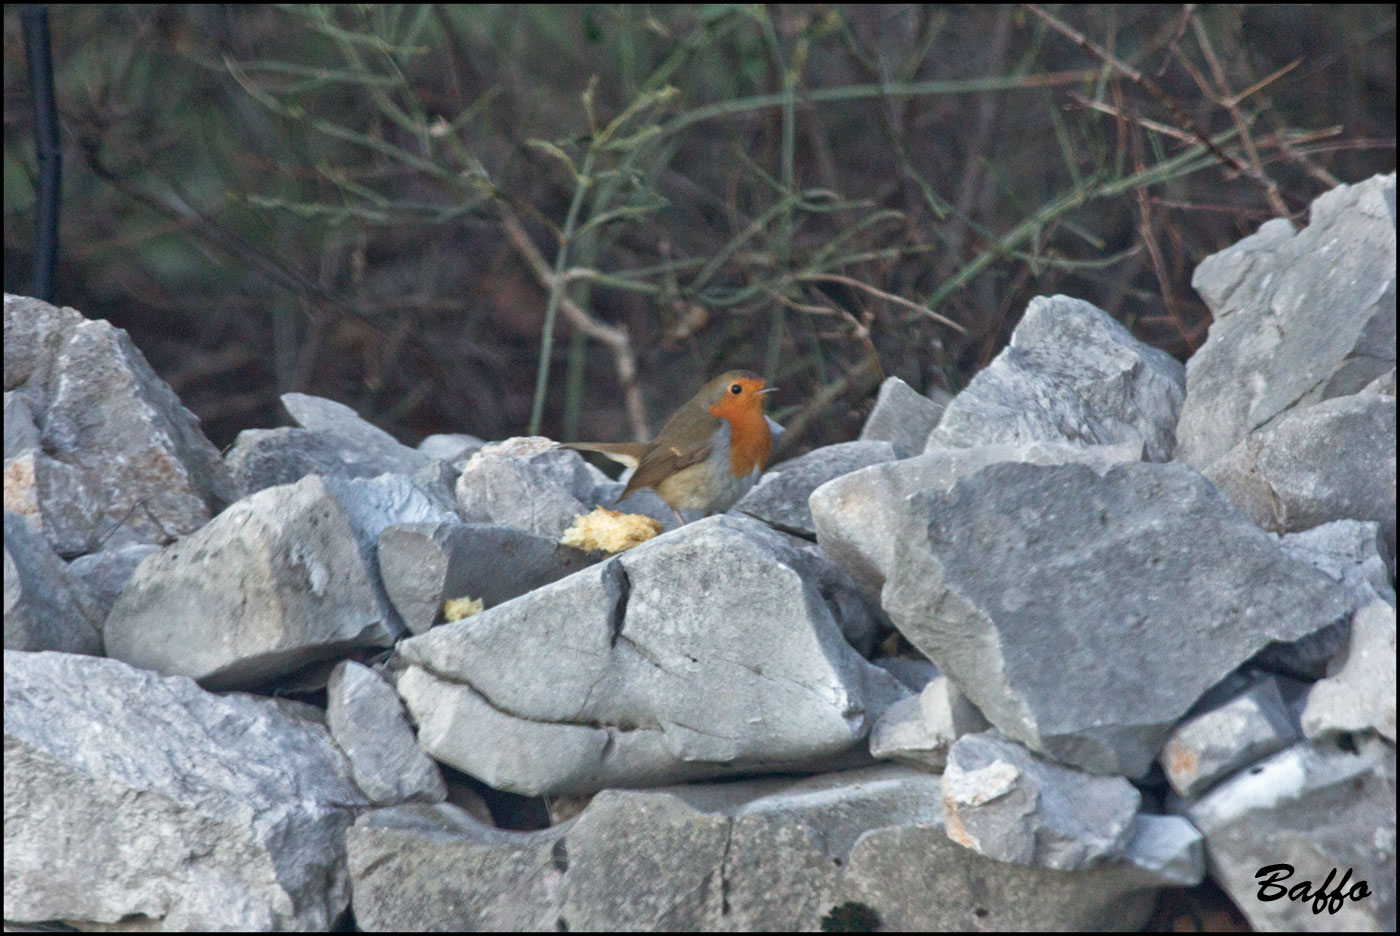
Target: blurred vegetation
403 207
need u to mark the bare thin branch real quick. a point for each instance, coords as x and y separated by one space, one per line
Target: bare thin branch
614 337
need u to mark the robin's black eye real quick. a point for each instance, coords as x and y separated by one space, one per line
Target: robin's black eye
735 389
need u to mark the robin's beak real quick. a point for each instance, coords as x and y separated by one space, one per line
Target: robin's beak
767 390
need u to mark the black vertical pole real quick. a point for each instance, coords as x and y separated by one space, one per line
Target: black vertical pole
50 157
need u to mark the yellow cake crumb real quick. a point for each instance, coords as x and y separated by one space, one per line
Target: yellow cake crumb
454 609
609 531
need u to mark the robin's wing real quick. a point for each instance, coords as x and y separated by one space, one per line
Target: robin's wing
662 462
627 453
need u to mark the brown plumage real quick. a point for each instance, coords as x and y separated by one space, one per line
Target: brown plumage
709 453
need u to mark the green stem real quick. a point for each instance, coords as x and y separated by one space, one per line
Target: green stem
556 291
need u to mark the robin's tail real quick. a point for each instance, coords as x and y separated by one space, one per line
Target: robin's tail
628 453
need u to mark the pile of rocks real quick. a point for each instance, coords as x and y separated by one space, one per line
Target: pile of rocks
1151 611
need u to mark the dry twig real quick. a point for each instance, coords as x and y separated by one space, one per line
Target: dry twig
614 337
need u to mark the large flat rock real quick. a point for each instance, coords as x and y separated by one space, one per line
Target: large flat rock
1070 374
118 459
756 855
1300 317
1085 612
134 800
271 584
704 652
1331 461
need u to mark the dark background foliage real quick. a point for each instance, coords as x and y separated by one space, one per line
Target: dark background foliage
385 205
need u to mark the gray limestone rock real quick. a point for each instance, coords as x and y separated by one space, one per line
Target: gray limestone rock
374 504
106 572
1352 552
913 673
1070 374
857 516
35 333
451 446
1169 847
1218 742
424 564
921 729
121 460
141 801
436 868
1002 801
1084 613
903 417
363 443
527 483
46 606
1319 809
780 497
1359 695
700 653
264 458
1299 318
1331 461
858 613
1385 383
755 855
369 724
271 584
20 430
332 441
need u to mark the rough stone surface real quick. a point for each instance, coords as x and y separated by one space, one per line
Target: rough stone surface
529 484
1070 374
1352 552
1299 318
1002 801
857 516
20 430
858 613
121 460
332 441
1218 742
780 497
1321 810
903 417
363 442
758 855
106 572
436 868
46 606
263 458
368 721
920 730
372 505
424 564
1169 847
438 480
1144 583
451 446
144 801
1385 383
1331 461
700 653
271 584
35 333
1360 693
912 672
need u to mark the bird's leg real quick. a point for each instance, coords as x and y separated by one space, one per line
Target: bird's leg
679 519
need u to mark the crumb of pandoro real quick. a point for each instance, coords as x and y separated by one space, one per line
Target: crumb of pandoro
609 531
454 609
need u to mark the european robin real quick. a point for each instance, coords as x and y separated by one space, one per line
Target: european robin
708 454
